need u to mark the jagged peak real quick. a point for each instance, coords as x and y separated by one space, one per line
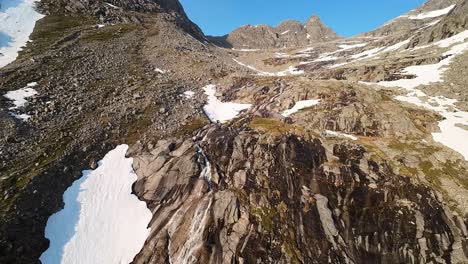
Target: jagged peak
314 19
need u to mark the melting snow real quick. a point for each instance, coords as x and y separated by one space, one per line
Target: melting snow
326 57
19 96
189 94
435 13
111 5
218 111
451 134
19 99
158 70
433 23
338 134
426 74
460 37
397 46
300 105
306 50
367 54
17 20
351 46
246 50
290 71
102 221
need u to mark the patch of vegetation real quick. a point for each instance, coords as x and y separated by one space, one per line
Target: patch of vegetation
404 147
138 126
108 33
289 246
274 127
50 30
265 217
20 174
375 152
432 173
194 125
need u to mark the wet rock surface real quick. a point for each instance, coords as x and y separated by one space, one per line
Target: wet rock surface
287 199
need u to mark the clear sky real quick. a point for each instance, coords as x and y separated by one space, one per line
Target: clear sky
346 17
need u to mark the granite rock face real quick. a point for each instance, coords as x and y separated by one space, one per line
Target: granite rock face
239 196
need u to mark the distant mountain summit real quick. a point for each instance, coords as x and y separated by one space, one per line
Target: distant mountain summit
289 33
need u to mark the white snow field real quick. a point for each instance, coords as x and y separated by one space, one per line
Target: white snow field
432 14
451 133
218 111
300 105
102 221
17 20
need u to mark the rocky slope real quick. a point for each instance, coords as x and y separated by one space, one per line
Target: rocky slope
357 177
289 33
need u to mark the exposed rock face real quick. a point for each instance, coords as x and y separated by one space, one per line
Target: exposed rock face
289 33
237 196
403 24
454 23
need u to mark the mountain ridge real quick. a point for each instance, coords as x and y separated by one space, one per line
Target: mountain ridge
288 33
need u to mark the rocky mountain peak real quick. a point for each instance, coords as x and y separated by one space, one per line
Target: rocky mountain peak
289 33
314 19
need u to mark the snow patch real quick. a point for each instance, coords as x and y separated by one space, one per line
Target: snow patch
326 57
351 46
432 14
102 221
189 94
306 50
367 54
451 134
285 32
338 134
17 22
158 70
19 99
290 71
111 5
300 105
426 74
460 37
218 111
397 46
246 50
435 22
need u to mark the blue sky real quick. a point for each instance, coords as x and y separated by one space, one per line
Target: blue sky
346 17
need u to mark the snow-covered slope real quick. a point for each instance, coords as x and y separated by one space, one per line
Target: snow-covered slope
218 111
17 21
102 222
